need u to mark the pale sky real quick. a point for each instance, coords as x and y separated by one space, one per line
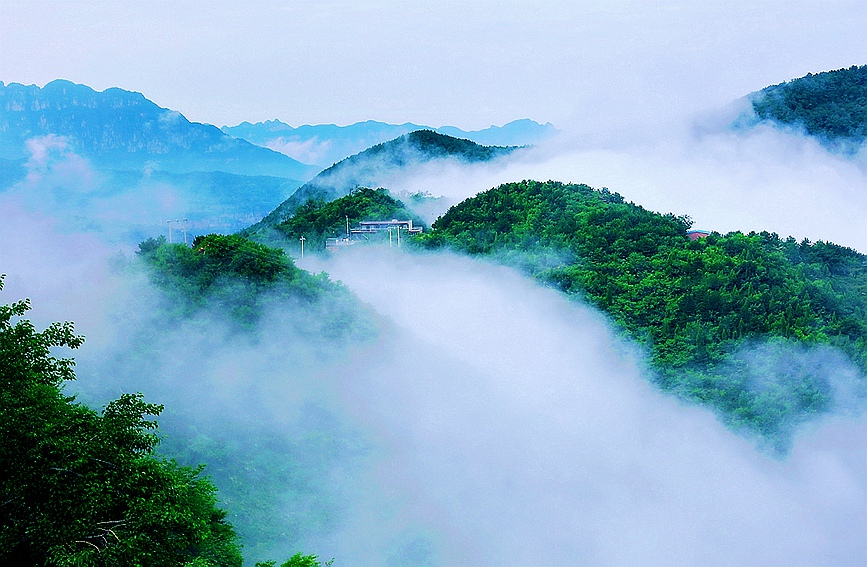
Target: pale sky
467 63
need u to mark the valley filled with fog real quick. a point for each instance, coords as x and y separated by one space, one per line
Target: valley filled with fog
658 358
486 419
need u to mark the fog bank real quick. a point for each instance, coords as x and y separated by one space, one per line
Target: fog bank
487 421
516 429
762 179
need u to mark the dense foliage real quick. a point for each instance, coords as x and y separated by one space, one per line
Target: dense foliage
239 277
830 105
694 303
82 488
298 560
276 482
317 220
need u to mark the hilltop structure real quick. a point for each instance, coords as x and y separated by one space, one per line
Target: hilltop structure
366 229
696 234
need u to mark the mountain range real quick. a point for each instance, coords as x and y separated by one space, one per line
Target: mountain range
769 333
116 162
327 144
122 130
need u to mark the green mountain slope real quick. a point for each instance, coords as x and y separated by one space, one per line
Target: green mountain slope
317 220
241 278
697 305
831 106
274 492
371 167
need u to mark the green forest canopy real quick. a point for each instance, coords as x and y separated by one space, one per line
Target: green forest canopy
317 220
240 277
83 488
830 105
692 303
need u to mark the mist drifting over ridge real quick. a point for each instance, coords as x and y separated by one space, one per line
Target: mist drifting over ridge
532 418
766 178
491 421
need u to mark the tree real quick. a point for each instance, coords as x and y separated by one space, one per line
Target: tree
82 488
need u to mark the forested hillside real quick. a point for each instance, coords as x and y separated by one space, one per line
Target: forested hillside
228 282
58 456
831 105
372 167
240 278
695 304
317 220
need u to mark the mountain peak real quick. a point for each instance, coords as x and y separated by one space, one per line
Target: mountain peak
376 165
327 144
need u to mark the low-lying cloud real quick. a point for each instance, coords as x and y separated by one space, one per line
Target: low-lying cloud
488 420
760 179
515 428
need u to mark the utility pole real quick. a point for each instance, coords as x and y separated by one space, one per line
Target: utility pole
185 233
302 239
169 222
347 227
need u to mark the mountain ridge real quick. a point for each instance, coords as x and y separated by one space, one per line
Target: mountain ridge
122 129
327 144
830 106
371 167
728 321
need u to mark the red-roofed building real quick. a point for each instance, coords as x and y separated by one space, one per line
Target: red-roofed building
696 234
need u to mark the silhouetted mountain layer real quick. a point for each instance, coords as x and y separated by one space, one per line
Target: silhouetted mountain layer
118 129
327 144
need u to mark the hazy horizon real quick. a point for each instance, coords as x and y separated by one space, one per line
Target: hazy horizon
465 64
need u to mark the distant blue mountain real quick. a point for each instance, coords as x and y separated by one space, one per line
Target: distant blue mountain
122 130
326 144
